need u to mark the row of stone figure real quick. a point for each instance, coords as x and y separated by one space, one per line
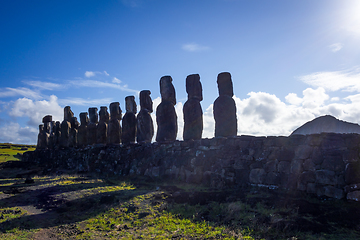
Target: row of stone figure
107 130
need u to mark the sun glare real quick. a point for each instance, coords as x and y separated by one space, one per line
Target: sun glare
351 17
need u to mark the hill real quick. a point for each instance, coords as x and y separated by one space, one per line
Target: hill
327 123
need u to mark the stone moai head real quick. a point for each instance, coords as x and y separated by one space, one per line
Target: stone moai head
193 87
52 126
167 90
130 104
74 122
47 118
57 126
93 115
41 128
115 110
68 114
84 120
225 84
146 101
104 115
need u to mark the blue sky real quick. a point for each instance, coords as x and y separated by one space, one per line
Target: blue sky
290 61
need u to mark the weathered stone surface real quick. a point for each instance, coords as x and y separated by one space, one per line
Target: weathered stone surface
270 166
166 117
296 166
145 125
102 126
352 173
92 126
73 132
325 177
333 161
333 192
224 108
309 165
129 121
272 178
68 114
193 119
303 152
57 134
257 176
355 196
65 134
284 167
47 118
82 130
115 131
286 154
42 141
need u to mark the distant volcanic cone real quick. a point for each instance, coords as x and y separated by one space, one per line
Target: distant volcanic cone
327 123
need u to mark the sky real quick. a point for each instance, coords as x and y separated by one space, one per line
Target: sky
290 61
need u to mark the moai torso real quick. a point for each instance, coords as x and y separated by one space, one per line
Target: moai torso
129 121
193 114
73 132
165 113
114 130
145 126
65 127
57 134
41 142
92 127
46 131
102 126
225 108
82 130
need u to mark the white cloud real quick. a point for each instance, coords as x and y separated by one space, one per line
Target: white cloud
21 91
194 47
84 102
336 47
116 80
99 84
36 110
348 80
13 133
89 74
106 74
44 85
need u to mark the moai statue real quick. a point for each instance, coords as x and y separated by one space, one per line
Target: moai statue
52 135
65 127
165 113
73 132
145 126
57 134
102 126
129 121
82 130
193 114
47 129
92 127
42 138
114 130
225 108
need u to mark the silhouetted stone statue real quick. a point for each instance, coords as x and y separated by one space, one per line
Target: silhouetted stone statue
102 126
129 121
73 132
42 138
193 114
47 130
225 108
145 126
165 113
82 130
57 133
52 135
114 131
92 129
65 127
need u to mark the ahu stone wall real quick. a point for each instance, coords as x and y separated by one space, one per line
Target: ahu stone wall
323 164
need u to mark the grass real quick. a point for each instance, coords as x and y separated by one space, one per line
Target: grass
71 206
8 152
